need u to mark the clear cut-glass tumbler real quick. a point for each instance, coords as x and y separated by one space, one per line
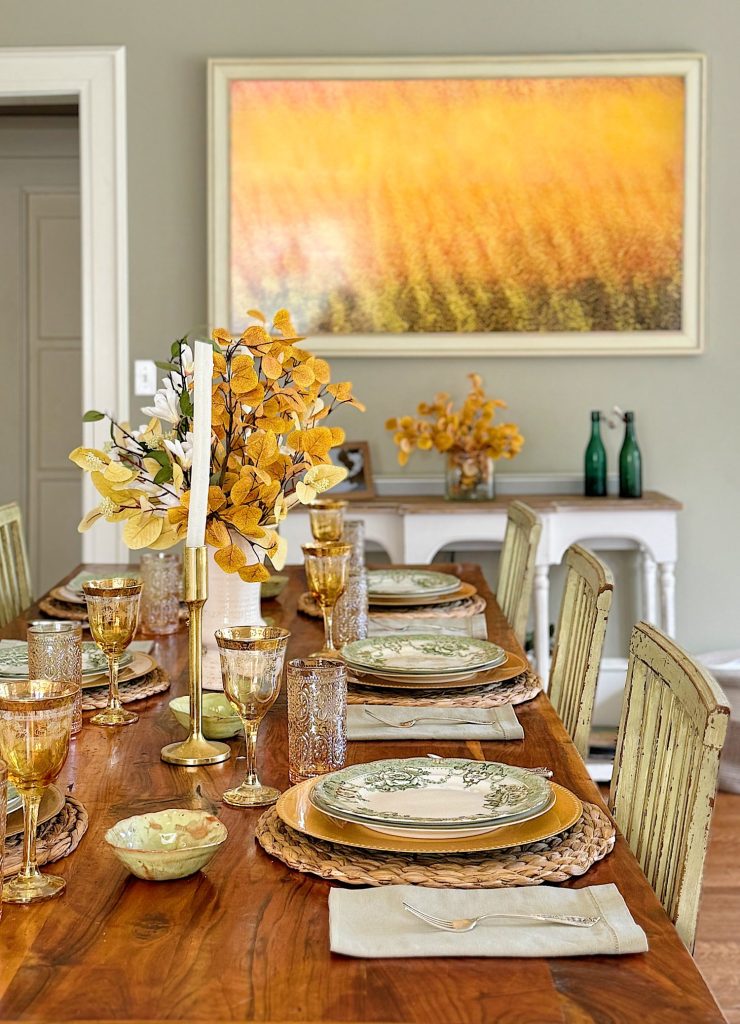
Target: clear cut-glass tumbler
161 578
55 652
317 717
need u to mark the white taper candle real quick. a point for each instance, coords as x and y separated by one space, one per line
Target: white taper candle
200 474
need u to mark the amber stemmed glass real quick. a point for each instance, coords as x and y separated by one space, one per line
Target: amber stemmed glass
327 567
35 726
252 660
327 519
113 613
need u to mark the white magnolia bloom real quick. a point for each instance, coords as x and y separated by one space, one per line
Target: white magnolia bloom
166 404
182 450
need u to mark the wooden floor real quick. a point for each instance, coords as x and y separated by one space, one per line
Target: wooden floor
718 938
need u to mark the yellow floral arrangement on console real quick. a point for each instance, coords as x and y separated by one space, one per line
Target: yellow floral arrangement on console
468 436
269 448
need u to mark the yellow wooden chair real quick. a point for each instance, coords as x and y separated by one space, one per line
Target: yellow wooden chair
15 580
674 721
579 640
516 572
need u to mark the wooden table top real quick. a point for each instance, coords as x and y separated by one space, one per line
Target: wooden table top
419 504
248 938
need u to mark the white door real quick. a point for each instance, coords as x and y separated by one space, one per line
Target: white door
40 351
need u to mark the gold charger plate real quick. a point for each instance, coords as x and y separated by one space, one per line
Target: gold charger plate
514 666
296 810
465 590
141 665
51 804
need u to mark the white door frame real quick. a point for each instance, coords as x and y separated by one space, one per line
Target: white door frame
96 75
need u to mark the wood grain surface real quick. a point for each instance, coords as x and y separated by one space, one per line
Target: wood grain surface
248 939
651 501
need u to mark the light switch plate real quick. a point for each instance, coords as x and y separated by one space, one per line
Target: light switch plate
145 377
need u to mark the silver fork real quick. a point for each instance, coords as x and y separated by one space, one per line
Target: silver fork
409 722
467 924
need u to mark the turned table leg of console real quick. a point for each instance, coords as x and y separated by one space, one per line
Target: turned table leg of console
667 574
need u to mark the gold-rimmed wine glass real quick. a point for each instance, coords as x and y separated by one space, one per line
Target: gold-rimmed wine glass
113 613
327 567
252 659
326 516
35 726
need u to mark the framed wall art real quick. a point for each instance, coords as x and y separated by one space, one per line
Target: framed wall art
470 206
354 456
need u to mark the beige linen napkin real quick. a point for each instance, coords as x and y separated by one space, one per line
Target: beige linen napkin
435 723
470 625
373 922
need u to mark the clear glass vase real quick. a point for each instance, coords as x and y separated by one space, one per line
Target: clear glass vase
470 477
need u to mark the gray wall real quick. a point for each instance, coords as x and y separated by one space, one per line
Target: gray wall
687 408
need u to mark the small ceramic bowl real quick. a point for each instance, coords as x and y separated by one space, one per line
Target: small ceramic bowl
273 587
220 721
166 844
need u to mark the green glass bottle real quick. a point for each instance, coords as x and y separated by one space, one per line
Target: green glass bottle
595 461
630 461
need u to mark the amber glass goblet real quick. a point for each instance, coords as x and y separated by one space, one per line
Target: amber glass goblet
113 613
35 726
327 566
252 659
327 519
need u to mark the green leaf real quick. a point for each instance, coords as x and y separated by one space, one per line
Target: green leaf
167 366
162 458
92 416
164 475
186 403
175 349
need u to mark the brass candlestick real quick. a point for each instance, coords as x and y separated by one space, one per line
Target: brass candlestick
196 749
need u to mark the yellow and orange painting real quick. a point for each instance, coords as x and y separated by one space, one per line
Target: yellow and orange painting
459 205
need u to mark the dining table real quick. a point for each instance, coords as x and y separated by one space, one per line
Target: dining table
247 939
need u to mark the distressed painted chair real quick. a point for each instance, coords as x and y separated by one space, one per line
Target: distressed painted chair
579 640
15 580
674 721
516 572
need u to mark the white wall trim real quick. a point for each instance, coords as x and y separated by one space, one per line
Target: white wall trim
97 77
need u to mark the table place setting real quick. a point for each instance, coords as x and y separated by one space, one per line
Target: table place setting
406 921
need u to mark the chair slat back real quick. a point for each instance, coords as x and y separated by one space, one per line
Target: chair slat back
15 580
674 722
516 572
579 641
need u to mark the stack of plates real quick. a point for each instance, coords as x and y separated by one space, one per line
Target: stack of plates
132 665
390 588
428 660
71 592
421 805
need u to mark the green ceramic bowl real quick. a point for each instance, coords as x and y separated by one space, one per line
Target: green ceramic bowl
220 721
273 587
168 844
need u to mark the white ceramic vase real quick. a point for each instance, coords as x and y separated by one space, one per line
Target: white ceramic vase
231 601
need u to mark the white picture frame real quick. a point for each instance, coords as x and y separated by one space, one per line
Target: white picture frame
691 67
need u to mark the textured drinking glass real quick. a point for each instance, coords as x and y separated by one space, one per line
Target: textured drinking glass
35 726
55 652
353 533
161 578
113 613
327 519
327 568
351 612
317 717
252 659
3 819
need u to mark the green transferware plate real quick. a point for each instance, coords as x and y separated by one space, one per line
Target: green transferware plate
421 654
14 798
418 792
409 582
14 660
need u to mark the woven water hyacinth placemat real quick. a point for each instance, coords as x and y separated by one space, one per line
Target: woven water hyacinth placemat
153 682
513 691
63 609
57 838
556 859
456 610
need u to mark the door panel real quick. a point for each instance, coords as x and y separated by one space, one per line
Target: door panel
54 394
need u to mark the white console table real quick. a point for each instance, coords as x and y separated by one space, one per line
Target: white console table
413 529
